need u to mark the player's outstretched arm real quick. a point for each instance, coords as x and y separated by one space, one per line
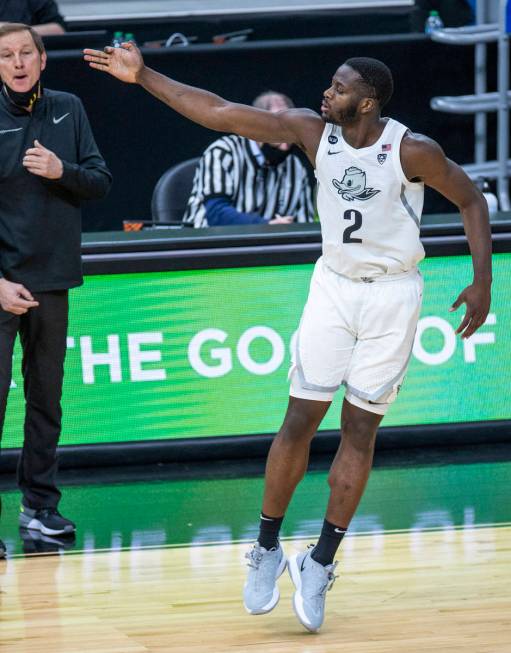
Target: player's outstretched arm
423 159
299 126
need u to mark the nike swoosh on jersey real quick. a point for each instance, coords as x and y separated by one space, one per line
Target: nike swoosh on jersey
57 120
6 131
336 152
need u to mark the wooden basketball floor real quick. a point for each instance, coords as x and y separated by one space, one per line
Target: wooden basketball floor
406 592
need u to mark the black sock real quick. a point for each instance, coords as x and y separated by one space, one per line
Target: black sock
269 528
328 543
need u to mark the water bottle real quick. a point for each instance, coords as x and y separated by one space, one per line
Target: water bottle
433 22
117 40
491 199
129 36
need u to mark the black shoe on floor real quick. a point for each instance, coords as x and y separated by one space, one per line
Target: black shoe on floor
36 542
3 550
46 520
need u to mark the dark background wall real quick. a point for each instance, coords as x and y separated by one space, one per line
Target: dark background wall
140 137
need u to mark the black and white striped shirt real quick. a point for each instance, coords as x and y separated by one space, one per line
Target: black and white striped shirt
231 167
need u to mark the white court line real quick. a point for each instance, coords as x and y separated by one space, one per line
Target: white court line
291 538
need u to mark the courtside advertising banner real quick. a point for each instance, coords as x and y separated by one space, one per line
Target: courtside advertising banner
206 353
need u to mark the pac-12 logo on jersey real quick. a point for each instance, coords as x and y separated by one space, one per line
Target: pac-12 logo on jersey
353 185
382 158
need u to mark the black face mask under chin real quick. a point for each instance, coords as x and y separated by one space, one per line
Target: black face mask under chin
26 99
273 156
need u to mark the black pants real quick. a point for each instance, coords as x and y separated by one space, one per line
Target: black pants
43 333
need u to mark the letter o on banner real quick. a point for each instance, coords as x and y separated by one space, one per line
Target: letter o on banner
276 343
449 337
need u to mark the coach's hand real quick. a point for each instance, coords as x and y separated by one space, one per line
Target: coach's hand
125 62
477 298
15 298
43 162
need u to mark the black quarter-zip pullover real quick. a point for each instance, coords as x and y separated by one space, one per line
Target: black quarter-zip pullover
40 219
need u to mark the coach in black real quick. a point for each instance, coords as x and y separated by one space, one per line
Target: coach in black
49 163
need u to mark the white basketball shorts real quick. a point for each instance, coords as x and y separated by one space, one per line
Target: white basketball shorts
356 333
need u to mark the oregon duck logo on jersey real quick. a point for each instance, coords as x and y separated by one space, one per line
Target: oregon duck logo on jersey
353 185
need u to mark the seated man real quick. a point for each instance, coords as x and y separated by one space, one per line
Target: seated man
42 15
239 181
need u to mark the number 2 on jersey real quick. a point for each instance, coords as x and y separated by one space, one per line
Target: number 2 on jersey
352 214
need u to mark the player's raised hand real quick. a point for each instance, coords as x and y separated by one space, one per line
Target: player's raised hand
125 62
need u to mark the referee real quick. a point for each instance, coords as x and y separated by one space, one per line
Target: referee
49 163
240 181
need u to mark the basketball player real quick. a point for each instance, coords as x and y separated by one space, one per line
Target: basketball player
358 325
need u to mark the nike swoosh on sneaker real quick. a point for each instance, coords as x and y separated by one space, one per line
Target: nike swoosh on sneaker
6 131
336 152
57 120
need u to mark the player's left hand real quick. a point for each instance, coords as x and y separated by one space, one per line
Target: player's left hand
43 162
477 299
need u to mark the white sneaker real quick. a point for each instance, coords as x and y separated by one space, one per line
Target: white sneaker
261 594
312 581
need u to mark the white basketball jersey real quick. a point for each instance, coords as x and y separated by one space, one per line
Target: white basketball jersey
369 212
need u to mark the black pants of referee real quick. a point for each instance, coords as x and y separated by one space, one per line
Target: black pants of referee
43 337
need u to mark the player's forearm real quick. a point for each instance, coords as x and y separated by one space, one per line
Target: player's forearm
196 104
477 229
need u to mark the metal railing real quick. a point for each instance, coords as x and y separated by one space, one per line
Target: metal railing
482 102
